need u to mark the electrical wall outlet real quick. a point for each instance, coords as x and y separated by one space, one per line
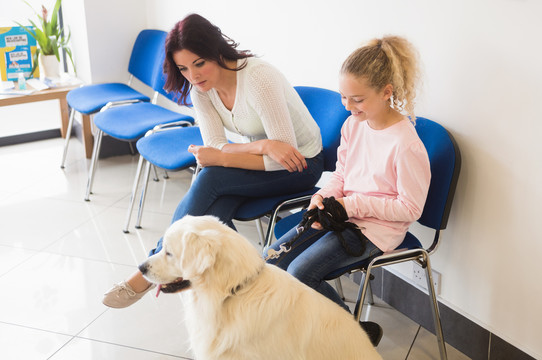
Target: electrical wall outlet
418 275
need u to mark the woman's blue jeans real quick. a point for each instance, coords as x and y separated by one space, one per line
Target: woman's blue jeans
316 253
220 191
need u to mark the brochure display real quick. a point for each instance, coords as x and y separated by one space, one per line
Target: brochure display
17 49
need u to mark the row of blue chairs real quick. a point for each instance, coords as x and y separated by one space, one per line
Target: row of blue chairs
119 110
165 147
162 138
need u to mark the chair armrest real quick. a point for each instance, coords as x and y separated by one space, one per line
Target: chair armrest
169 126
113 104
175 124
300 202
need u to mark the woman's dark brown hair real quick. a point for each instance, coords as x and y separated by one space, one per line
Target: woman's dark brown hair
199 36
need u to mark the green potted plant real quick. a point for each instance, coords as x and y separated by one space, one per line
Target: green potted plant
50 38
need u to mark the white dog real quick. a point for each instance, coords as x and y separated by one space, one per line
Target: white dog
238 307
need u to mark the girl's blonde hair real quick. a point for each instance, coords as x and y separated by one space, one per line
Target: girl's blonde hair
389 60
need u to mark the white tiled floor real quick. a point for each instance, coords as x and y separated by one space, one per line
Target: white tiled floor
58 254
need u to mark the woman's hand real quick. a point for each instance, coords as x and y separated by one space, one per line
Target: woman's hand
286 155
206 155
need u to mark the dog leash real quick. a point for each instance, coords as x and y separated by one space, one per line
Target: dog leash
332 218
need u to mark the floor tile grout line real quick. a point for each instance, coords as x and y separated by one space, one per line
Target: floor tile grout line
35 328
44 250
413 341
62 347
36 253
78 336
133 347
46 331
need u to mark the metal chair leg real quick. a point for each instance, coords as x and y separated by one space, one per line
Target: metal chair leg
197 169
93 161
370 299
435 309
143 195
340 291
155 174
339 287
67 140
260 230
132 149
361 294
133 195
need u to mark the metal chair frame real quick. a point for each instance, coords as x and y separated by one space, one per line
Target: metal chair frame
142 161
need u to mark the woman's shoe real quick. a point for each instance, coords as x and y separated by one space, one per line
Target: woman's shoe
122 295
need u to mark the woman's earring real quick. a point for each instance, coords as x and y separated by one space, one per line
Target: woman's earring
392 105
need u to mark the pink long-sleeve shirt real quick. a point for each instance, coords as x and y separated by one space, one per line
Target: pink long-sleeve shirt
383 177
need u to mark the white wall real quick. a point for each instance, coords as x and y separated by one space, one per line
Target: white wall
103 33
482 74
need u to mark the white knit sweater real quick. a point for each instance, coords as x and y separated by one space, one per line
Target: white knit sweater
266 107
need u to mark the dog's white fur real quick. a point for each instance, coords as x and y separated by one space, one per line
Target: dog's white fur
240 308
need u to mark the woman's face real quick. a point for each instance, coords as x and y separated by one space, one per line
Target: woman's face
201 73
363 101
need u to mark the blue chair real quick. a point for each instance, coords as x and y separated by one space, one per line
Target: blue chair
166 147
144 63
130 122
327 110
445 160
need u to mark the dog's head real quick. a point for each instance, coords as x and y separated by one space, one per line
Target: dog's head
201 251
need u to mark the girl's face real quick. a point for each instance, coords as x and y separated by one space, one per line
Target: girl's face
201 73
363 101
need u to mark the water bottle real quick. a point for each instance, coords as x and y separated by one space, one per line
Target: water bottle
21 81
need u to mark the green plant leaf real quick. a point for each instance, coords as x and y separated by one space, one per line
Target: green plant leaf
54 15
35 61
49 35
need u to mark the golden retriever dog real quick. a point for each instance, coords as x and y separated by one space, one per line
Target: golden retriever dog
238 307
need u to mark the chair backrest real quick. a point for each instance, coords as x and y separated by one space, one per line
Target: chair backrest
445 161
160 79
159 86
329 113
147 57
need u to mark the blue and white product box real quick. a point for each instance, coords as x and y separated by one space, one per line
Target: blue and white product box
17 49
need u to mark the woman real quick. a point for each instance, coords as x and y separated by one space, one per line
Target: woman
281 151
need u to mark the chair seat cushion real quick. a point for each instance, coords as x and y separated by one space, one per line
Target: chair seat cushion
409 243
168 149
131 122
258 207
286 224
91 98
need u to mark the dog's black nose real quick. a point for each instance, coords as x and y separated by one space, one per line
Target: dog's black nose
143 268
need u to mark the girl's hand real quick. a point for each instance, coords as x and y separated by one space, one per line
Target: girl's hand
206 155
286 155
316 202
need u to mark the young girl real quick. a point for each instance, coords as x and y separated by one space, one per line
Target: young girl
382 174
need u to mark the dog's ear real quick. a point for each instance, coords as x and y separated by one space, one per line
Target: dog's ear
198 254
